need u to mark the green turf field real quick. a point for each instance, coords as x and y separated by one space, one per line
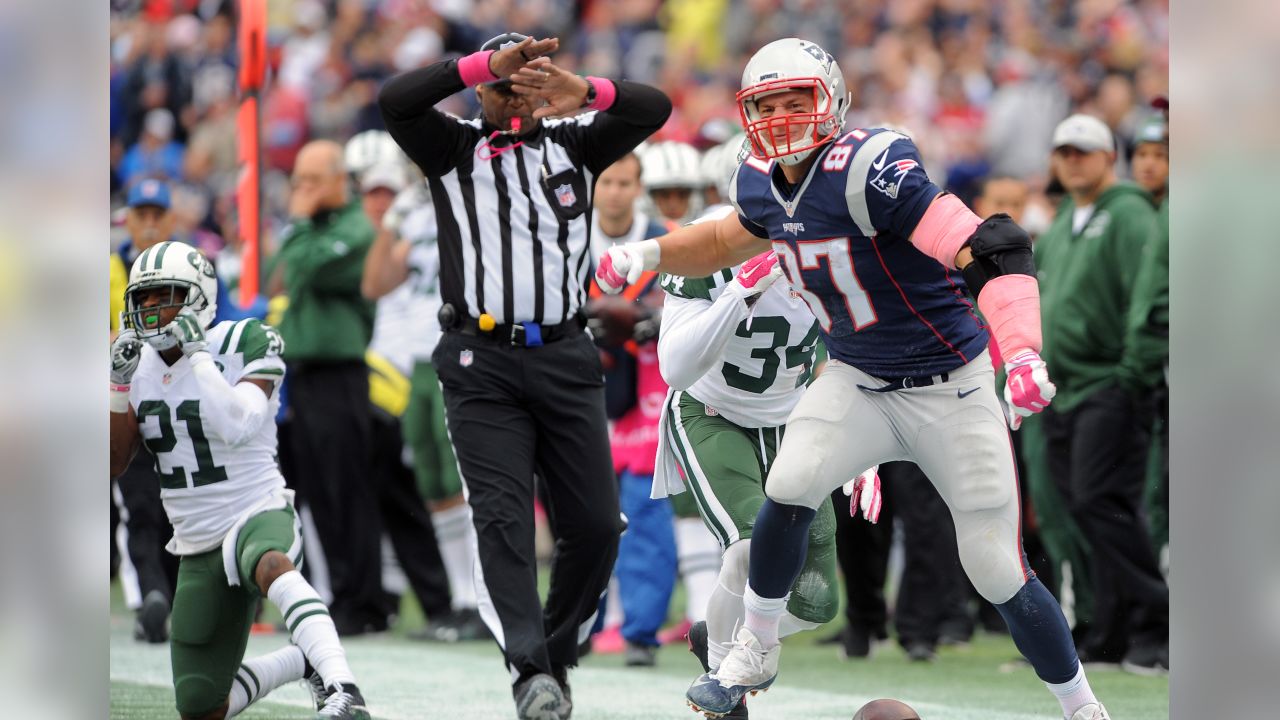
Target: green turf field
407 680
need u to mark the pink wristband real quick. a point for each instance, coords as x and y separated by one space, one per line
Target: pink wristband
606 93
119 388
943 230
474 68
1011 304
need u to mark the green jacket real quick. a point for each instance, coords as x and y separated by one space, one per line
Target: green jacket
1087 286
328 319
1149 313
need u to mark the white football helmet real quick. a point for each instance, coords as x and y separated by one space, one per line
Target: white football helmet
722 161
787 65
671 165
192 282
369 148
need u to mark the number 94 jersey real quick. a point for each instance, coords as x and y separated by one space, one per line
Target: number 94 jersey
205 483
843 236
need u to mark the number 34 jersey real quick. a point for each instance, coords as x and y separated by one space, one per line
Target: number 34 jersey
205 483
843 236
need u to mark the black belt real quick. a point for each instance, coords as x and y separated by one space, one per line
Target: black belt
527 334
906 383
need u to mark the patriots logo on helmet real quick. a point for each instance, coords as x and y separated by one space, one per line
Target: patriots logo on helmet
889 179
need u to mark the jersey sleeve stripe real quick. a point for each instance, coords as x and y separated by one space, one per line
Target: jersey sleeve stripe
855 191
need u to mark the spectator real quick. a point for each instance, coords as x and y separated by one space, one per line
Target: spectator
156 154
1151 157
1098 428
634 390
402 273
326 330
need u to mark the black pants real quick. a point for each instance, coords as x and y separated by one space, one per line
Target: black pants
514 411
406 520
147 526
1097 456
862 550
934 589
331 442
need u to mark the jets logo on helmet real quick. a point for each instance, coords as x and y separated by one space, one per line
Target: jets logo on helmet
190 279
787 66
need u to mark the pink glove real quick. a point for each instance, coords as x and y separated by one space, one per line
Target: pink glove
1028 389
864 494
623 265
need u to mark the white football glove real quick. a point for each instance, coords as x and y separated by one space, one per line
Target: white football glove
623 265
864 494
126 352
187 332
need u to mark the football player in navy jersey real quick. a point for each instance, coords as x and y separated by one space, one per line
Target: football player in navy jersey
883 257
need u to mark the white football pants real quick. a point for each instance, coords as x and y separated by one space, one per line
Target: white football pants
954 431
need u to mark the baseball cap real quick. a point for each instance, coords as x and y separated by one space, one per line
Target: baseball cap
384 175
149 192
1083 132
1153 130
498 42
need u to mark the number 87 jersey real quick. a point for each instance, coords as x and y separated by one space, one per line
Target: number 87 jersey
206 484
843 236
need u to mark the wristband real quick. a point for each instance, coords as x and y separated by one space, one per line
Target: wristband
601 92
119 402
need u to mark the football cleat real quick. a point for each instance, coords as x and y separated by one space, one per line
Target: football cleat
748 669
1092 711
152 619
344 703
315 684
698 640
540 698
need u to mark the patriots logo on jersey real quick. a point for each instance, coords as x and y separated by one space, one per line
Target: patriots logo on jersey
565 196
889 179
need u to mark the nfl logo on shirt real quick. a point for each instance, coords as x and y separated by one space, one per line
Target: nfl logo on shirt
564 194
465 358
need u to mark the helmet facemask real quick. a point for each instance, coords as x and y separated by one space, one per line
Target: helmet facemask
804 131
145 320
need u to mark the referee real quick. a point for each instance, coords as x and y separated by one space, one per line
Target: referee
522 380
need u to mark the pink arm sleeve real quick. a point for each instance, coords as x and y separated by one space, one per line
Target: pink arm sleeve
606 92
1011 304
943 230
474 69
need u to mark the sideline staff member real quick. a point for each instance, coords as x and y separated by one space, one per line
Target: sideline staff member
522 380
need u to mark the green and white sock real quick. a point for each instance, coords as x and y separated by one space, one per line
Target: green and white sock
310 627
259 676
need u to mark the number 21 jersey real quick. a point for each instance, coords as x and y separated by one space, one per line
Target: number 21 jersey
843 236
205 483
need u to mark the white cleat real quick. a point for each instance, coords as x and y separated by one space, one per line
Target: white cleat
747 670
1092 711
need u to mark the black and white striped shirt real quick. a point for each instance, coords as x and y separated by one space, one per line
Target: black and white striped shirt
514 232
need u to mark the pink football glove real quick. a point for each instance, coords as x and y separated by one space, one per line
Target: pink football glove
1028 389
864 494
757 274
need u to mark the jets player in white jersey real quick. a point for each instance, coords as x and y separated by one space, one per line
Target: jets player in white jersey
737 350
883 258
203 400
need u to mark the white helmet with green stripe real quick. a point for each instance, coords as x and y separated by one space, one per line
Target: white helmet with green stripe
187 272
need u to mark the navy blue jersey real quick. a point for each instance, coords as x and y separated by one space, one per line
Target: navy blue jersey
843 236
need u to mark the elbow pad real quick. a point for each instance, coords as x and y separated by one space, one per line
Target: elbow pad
999 247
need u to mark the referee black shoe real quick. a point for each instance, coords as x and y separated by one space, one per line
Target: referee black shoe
540 698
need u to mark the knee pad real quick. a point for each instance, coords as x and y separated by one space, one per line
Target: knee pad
734 566
796 477
198 695
991 554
